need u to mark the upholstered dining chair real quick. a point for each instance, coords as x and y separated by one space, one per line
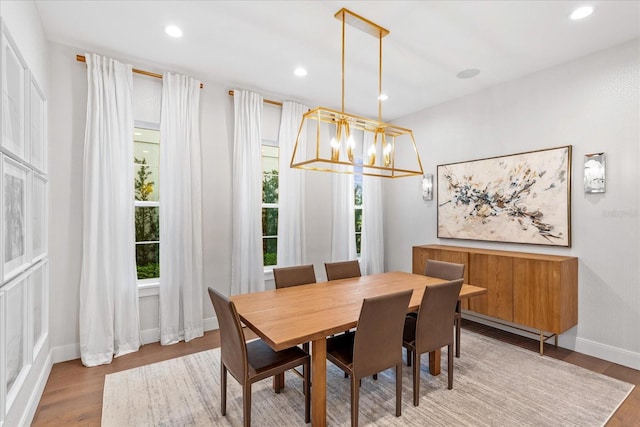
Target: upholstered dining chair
285 277
342 270
252 361
375 346
431 329
448 271
293 276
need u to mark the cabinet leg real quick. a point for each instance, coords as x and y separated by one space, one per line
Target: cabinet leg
555 339
541 343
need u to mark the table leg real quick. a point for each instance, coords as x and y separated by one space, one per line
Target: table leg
434 362
319 384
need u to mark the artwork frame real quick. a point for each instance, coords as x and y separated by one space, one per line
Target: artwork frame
517 198
595 173
13 90
38 229
38 125
17 360
15 191
38 307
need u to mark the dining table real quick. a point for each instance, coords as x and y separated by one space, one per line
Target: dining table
291 316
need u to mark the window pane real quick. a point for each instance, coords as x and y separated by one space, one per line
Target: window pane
358 242
269 221
147 224
269 174
358 215
147 159
270 250
148 260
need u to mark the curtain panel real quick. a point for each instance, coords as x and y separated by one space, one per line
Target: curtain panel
291 186
372 243
108 317
181 261
247 265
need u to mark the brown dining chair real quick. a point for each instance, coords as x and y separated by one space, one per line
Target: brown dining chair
293 276
431 329
285 277
252 361
342 270
448 271
375 346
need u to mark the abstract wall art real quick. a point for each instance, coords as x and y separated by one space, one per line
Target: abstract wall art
518 198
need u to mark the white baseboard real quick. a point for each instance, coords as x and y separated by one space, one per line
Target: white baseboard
581 345
607 352
64 353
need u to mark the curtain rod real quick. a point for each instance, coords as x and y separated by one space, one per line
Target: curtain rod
81 58
267 101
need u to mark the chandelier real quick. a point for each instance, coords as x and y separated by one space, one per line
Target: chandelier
350 144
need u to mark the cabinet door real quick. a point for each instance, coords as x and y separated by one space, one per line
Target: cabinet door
536 291
496 274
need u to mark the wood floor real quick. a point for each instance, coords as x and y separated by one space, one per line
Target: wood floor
73 394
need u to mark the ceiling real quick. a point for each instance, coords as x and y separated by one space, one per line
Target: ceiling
257 44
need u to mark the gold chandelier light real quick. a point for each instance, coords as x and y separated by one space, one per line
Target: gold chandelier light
351 144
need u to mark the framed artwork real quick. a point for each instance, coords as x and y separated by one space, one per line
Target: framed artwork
519 198
14 77
38 297
594 173
39 217
37 134
3 378
14 214
15 354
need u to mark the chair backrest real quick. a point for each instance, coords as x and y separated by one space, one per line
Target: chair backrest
294 276
342 270
434 328
378 341
232 343
444 270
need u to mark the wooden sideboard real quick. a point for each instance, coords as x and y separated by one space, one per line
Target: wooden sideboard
533 290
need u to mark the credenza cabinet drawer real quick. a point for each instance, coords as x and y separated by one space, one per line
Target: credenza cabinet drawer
534 290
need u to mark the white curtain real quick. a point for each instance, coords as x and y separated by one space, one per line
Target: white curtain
291 184
343 219
109 323
247 265
372 243
181 269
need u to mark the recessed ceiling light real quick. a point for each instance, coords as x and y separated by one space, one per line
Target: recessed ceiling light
383 97
468 73
300 72
581 12
173 31
137 133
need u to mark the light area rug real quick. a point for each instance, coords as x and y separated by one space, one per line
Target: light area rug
495 384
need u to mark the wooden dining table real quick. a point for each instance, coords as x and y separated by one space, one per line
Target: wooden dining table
290 316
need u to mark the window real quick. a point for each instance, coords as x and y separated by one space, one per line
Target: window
146 158
357 190
270 153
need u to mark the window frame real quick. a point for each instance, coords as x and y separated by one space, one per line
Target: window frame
270 143
149 286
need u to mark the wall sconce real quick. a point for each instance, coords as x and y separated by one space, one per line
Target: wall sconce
427 187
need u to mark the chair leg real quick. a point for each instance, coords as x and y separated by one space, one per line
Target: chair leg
223 389
398 390
278 382
450 367
307 392
355 400
246 404
408 357
416 378
375 377
458 320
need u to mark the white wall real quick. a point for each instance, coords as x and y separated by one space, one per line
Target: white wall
592 104
23 22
